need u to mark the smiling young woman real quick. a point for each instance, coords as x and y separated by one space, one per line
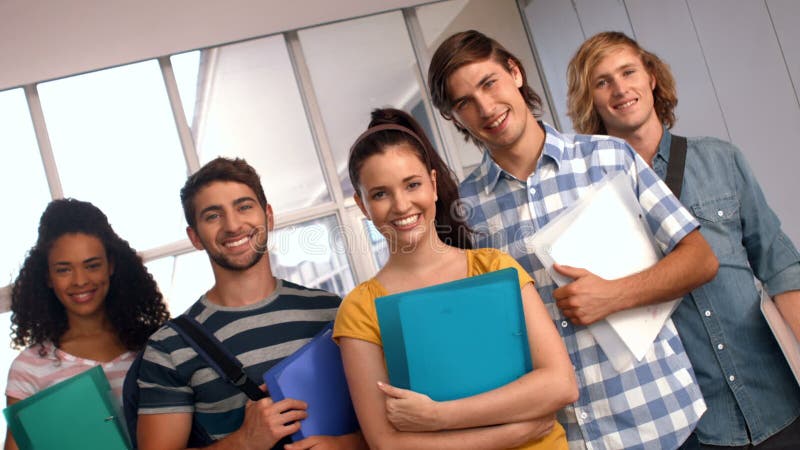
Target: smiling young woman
411 196
83 298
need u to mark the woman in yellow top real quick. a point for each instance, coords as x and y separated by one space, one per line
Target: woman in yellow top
410 195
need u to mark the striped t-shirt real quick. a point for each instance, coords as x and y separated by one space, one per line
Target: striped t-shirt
31 373
173 378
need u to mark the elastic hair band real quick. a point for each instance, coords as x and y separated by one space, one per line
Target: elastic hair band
388 126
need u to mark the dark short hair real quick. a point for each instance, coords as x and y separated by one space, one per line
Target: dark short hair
465 48
219 169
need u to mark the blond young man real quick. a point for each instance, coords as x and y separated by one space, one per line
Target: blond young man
618 88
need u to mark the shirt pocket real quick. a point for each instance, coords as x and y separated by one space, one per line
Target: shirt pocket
720 224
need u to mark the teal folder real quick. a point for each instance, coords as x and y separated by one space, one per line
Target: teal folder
456 339
75 414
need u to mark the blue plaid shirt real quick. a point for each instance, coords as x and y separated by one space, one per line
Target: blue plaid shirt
654 405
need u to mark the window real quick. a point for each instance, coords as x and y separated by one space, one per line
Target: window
22 183
115 145
186 69
378 244
182 279
357 66
249 106
312 254
498 19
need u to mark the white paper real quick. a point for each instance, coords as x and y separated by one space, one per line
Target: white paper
605 232
783 334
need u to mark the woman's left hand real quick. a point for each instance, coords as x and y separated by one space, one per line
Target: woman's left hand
409 410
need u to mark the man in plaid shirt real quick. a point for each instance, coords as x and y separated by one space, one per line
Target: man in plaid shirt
529 174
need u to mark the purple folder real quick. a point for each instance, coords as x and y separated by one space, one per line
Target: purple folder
314 374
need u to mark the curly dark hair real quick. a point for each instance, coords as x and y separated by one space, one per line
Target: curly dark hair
133 304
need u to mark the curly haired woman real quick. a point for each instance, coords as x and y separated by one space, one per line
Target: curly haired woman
83 298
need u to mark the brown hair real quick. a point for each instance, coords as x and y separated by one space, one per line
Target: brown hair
219 169
390 127
580 101
465 48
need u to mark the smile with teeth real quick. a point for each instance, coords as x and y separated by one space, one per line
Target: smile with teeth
626 104
82 296
238 242
498 121
406 221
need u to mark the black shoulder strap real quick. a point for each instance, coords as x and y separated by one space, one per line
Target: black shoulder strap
211 349
677 162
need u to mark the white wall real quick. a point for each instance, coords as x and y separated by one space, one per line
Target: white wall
45 39
736 62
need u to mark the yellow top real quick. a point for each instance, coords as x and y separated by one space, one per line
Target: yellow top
357 318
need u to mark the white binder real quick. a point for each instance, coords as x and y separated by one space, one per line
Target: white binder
605 232
783 334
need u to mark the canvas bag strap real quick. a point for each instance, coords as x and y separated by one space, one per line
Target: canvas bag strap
217 356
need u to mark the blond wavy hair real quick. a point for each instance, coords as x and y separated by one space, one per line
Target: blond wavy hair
580 101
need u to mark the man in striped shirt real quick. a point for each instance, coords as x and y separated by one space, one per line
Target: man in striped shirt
258 318
529 174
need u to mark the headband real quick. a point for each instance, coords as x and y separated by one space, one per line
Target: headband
389 126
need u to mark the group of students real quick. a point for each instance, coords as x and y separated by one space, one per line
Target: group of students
713 377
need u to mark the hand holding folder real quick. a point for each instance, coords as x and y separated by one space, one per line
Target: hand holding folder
456 339
77 414
605 232
315 375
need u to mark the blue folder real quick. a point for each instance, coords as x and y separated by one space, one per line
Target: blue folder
78 413
314 374
456 339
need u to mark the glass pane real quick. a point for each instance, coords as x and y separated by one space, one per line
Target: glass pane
162 270
378 245
357 66
22 183
436 21
312 254
185 67
498 19
250 107
116 145
182 279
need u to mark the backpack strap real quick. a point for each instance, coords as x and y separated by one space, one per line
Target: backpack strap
198 436
676 164
216 355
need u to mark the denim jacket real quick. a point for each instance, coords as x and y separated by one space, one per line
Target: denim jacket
743 375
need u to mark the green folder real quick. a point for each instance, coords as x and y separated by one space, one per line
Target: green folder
76 414
456 339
